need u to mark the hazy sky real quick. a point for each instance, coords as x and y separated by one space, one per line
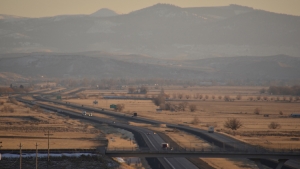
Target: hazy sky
41 8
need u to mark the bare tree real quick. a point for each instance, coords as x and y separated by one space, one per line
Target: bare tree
119 107
206 97
144 89
258 97
195 121
265 98
200 96
220 97
233 123
213 97
182 106
159 100
187 96
180 96
251 98
257 111
193 107
280 112
274 125
131 90
291 98
238 97
227 98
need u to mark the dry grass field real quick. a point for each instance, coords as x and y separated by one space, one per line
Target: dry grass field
21 124
216 111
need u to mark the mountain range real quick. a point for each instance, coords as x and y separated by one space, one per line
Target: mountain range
160 31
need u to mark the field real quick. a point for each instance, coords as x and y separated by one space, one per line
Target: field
214 112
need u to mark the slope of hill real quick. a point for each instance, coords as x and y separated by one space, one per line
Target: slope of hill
162 31
104 65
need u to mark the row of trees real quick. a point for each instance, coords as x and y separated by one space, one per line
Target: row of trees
140 90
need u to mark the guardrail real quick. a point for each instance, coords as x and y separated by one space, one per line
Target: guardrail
205 149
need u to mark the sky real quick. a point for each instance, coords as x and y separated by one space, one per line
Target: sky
43 8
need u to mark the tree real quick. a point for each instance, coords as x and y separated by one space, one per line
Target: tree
274 125
257 111
131 89
119 107
195 121
265 98
193 107
258 97
160 99
262 91
182 106
238 97
206 97
220 97
250 98
187 96
227 98
180 96
213 97
144 89
233 123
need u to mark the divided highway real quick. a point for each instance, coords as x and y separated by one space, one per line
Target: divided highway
218 139
152 140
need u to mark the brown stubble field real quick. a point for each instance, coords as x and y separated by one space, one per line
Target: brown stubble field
215 112
20 124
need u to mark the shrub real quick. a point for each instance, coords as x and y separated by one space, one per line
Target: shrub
1 102
182 106
233 123
7 108
238 97
193 107
159 100
274 125
257 111
119 107
280 112
195 121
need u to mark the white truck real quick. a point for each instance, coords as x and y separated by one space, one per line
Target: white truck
211 129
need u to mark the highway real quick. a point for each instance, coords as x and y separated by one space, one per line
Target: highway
153 141
219 140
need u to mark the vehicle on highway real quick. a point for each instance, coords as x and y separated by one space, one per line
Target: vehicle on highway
211 129
154 133
84 113
165 146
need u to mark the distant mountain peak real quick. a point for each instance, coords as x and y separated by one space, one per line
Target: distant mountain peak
104 12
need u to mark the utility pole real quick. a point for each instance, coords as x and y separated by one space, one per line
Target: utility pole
0 148
48 142
36 156
20 156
